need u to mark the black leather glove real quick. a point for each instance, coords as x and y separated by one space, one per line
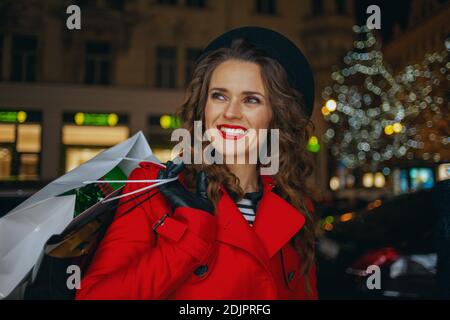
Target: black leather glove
179 196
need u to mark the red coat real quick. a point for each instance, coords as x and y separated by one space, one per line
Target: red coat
231 259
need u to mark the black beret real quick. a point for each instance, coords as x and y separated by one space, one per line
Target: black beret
278 47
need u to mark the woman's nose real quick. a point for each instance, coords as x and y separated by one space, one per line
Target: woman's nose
233 110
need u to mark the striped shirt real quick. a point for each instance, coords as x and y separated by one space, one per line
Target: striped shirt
248 205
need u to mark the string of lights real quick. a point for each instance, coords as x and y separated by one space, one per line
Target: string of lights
376 116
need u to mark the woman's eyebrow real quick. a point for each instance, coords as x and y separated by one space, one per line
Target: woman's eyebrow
219 89
253 92
244 92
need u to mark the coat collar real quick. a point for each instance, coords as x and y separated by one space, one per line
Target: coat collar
275 224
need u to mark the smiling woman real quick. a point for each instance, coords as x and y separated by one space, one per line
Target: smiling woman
223 231
236 103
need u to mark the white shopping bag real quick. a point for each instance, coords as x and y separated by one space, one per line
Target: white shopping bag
25 229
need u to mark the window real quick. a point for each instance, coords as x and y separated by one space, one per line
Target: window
196 3
191 57
425 10
167 2
82 143
5 162
24 56
28 146
115 4
83 3
29 166
1 57
163 154
20 145
266 6
7 133
28 138
160 127
340 7
166 66
98 63
316 7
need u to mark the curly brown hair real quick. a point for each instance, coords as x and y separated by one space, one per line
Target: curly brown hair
295 163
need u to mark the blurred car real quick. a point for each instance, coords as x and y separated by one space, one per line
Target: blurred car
397 235
401 276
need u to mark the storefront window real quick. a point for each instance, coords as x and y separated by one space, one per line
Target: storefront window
159 134
20 145
5 163
7 133
77 156
29 138
94 136
85 135
28 169
163 155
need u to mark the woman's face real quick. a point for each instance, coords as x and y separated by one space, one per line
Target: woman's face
237 101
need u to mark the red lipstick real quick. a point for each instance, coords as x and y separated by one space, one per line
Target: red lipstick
232 132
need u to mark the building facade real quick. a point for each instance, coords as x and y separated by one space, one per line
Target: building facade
65 95
426 162
425 33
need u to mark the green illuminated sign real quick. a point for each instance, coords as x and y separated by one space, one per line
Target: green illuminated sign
313 145
96 119
13 116
169 122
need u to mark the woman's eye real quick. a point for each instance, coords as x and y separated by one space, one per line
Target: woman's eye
218 96
252 100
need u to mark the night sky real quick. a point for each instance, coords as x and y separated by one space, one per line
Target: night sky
392 11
